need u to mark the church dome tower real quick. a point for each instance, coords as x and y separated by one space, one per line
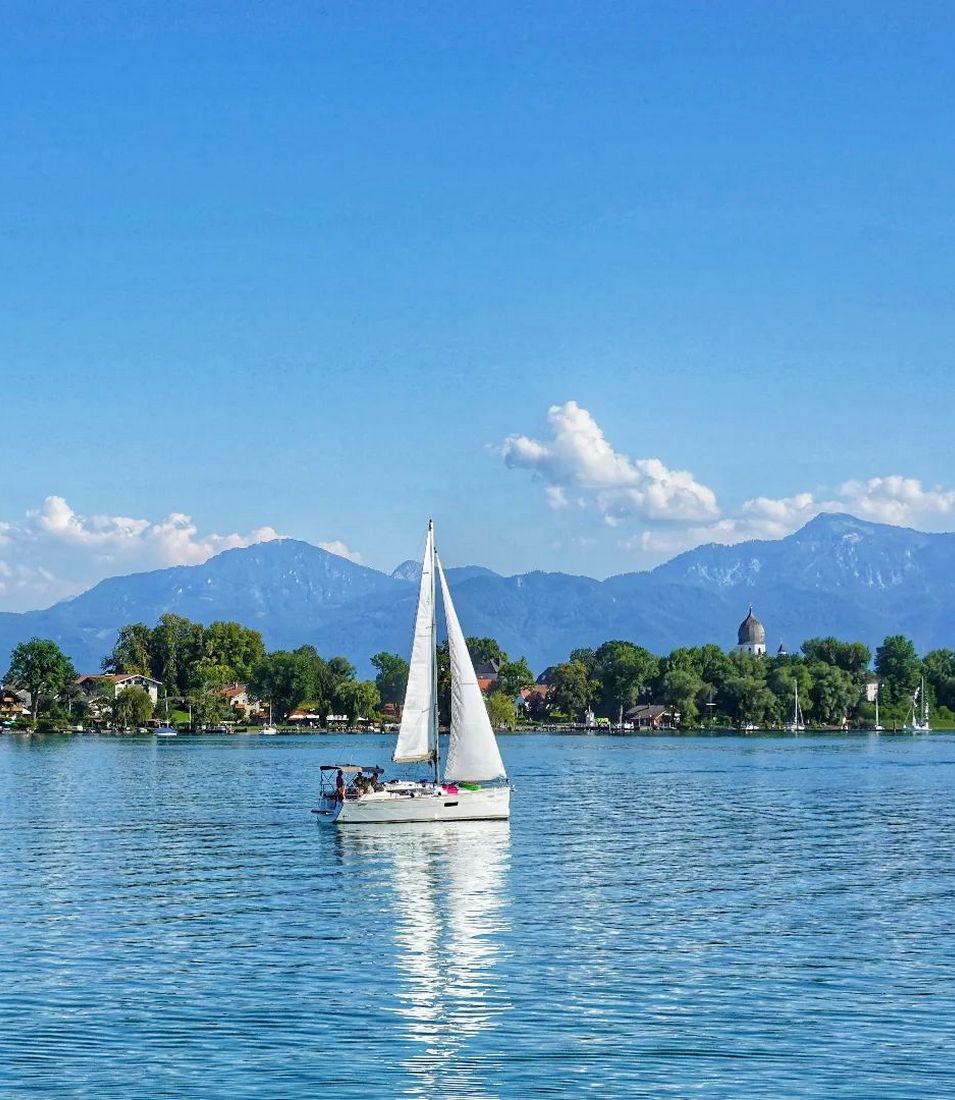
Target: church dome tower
751 636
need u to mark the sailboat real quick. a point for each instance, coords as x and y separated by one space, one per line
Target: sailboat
878 688
270 730
797 724
918 719
474 786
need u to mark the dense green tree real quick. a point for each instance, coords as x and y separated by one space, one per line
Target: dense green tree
132 707
513 677
749 702
358 698
501 710
208 681
623 671
285 679
680 689
236 647
132 651
898 668
40 667
834 693
939 668
571 689
587 657
392 678
176 647
485 650
783 677
851 657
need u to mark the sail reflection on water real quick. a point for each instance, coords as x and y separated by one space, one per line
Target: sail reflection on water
447 889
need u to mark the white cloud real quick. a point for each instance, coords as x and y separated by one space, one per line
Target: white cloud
336 546
895 500
674 512
55 552
579 457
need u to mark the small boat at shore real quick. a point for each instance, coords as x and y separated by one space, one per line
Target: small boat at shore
270 730
796 723
918 717
474 786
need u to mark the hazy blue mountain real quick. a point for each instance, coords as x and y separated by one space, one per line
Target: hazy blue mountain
410 570
837 575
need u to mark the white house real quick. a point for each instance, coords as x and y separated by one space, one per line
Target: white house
120 681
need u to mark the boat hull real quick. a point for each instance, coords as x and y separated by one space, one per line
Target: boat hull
489 804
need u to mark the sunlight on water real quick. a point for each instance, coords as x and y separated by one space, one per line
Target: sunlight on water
660 917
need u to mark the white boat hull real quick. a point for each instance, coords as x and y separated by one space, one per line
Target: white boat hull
380 808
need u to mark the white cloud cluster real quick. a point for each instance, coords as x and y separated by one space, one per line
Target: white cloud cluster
578 463
336 546
55 552
677 512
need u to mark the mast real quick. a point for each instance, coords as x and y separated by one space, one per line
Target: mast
877 686
434 662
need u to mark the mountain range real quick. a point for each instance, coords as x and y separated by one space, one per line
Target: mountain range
837 575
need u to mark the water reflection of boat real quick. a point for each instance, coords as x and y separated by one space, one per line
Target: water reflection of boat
447 889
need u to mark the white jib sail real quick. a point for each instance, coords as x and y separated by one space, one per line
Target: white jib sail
417 735
472 751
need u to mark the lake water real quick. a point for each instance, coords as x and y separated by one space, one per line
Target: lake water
714 917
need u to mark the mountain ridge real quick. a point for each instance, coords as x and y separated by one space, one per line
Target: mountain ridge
835 575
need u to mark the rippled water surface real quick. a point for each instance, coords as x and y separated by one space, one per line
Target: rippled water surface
661 917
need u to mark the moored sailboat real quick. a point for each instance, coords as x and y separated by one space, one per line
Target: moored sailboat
796 723
270 730
474 785
918 717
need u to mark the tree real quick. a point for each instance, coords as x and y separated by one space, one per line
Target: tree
358 698
750 702
237 647
176 646
513 677
392 678
485 651
501 710
587 658
208 681
851 657
898 668
939 668
623 670
782 682
133 707
680 688
132 651
286 679
571 688
834 693
40 667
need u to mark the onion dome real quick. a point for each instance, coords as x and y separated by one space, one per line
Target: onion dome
751 631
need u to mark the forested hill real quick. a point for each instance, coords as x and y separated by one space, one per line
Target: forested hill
837 575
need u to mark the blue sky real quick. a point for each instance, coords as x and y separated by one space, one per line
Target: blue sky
325 271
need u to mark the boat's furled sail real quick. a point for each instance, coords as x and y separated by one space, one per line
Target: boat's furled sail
473 751
417 736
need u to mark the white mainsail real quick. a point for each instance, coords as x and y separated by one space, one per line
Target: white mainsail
418 735
472 752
